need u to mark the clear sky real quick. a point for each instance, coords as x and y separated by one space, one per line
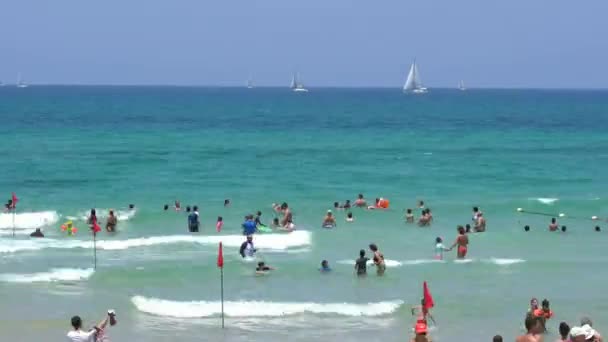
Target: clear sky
487 43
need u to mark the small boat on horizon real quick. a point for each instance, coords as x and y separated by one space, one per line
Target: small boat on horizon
461 85
412 83
249 83
296 84
20 83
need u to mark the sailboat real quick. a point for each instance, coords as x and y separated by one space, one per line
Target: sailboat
413 83
296 85
20 83
461 85
249 83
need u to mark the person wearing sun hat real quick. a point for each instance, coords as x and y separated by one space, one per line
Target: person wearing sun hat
584 333
421 330
589 322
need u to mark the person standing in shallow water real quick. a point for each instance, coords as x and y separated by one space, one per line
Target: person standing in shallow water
462 241
361 264
111 222
378 259
553 226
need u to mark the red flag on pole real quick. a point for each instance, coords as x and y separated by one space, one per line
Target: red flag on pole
220 257
15 200
428 299
96 227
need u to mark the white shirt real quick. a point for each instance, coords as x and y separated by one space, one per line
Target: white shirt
81 336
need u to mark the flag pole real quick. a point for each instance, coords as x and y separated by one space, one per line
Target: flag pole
95 248
222 293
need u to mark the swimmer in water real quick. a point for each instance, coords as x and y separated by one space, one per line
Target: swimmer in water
467 228
324 267
361 264
37 233
553 226
425 219
262 268
421 205
177 206
346 205
329 221
480 225
131 206
287 214
544 313
598 229
462 241
375 206
349 217
247 249
534 330
360 202
275 222
111 222
527 228
219 224
337 206
188 209
563 229
409 216
258 219
378 259
226 203
166 207
475 214
439 248
92 217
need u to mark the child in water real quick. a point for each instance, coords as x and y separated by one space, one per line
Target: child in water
324 266
349 217
219 224
262 268
439 248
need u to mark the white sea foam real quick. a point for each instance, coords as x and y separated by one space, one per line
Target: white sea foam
28 220
387 262
121 215
499 261
548 201
422 261
463 261
17 231
270 242
53 275
198 309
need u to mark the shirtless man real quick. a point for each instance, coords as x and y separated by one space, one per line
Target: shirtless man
462 241
480 225
554 225
287 216
360 202
329 221
535 330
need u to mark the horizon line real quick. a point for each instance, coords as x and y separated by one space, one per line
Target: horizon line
218 86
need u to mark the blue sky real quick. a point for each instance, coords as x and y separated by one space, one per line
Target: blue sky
517 43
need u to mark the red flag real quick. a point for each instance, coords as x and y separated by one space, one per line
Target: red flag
96 227
428 299
220 257
15 200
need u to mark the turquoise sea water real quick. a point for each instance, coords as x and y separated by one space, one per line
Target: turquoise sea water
68 149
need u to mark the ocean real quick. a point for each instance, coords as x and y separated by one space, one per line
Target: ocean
67 149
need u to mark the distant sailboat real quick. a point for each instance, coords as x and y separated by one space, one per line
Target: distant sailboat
461 85
413 83
20 83
296 84
249 83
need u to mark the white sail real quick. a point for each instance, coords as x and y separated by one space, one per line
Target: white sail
296 84
413 83
461 85
249 83
20 83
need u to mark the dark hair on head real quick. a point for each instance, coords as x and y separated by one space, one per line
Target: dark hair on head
475 209
195 208
219 218
76 322
527 228
226 201
360 196
362 253
544 303
166 207
324 262
259 213
409 211
438 240
373 247
421 202
461 229
564 329
531 321
284 205
349 215
261 263
497 338
597 228
553 220
93 212
188 209
111 212
563 228
347 201
131 206
276 219
336 204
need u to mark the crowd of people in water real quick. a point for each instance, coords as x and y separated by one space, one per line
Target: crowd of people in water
536 319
